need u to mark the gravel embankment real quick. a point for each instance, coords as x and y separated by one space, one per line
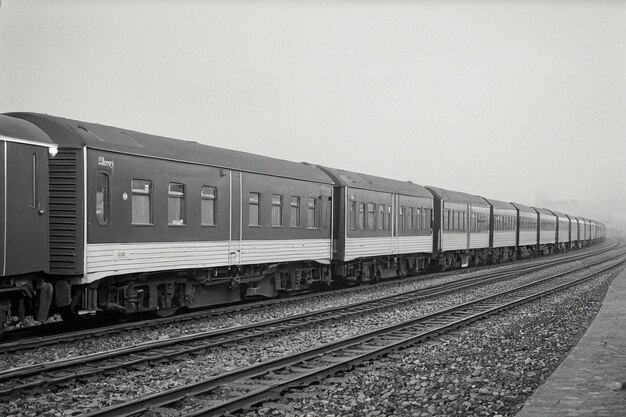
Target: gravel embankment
490 368
101 391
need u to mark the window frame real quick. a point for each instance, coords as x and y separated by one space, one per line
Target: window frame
213 199
257 205
361 221
294 207
352 218
104 219
278 206
136 191
380 216
371 216
314 209
180 198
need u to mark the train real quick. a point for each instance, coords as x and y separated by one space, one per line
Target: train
101 218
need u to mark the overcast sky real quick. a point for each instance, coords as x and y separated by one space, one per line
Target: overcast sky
517 101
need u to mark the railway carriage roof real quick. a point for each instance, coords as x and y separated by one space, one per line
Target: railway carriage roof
558 214
497 204
457 196
77 134
11 127
543 211
370 182
523 208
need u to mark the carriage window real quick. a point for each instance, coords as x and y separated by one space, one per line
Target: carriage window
102 198
352 215
142 194
312 213
401 218
176 204
427 213
295 212
370 215
361 215
410 219
418 218
253 210
207 206
484 224
277 210
381 216
445 219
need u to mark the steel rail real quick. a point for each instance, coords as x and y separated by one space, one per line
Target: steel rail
266 380
27 377
30 376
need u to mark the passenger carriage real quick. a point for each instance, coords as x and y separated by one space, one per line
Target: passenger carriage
461 235
563 240
147 223
599 235
594 230
586 231
547 230
574 231
382 227
503 230
527 233
582 232
23 213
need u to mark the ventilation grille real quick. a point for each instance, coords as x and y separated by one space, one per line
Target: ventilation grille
63 210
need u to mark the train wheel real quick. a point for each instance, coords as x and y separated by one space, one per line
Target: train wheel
5 313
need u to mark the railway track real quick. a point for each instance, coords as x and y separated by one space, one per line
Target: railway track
22 339
240 389
85 366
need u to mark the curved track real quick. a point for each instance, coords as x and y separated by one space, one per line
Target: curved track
245 387
84 366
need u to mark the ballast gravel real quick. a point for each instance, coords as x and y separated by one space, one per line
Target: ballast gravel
101 391
488 369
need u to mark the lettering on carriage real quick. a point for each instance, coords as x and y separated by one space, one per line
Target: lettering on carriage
122 256
104 163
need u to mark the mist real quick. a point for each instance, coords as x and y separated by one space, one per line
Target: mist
516 101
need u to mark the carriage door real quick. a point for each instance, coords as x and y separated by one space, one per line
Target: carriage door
468 232
26 205
236 218
393 212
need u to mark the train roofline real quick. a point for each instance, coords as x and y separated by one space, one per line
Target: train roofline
370 182
76 134
21 131
458 196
